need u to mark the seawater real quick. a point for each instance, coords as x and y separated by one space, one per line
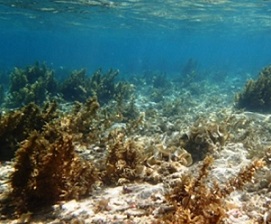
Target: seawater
136 36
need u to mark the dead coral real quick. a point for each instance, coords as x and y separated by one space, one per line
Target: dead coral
256 95
48 170
195 201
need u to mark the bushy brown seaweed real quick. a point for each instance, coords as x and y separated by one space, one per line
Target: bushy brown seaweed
82 121
76 87
38 83
105 87
256 95
2 94
123 159
34 84
197 201
15 126
48 170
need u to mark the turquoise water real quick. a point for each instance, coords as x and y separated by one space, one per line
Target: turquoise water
137 35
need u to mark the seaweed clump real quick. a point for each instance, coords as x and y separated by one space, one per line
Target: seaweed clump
194 201
124 159
37 84
82 122
34 84
105 87
79 87
256 95
15 126
48 170
76 86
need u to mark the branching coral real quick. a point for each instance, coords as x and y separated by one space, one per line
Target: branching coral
256 96
197 202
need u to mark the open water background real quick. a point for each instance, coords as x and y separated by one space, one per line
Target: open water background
232 37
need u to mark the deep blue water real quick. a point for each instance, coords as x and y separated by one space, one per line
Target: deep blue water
135 36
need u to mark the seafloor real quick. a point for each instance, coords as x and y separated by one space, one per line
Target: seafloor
205 108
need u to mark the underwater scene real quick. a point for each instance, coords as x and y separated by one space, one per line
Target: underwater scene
135 112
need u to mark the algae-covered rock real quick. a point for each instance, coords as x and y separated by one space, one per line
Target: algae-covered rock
256 96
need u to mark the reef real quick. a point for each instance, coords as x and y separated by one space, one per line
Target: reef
256 95
97 134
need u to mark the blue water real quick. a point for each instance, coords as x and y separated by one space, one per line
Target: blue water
137 35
